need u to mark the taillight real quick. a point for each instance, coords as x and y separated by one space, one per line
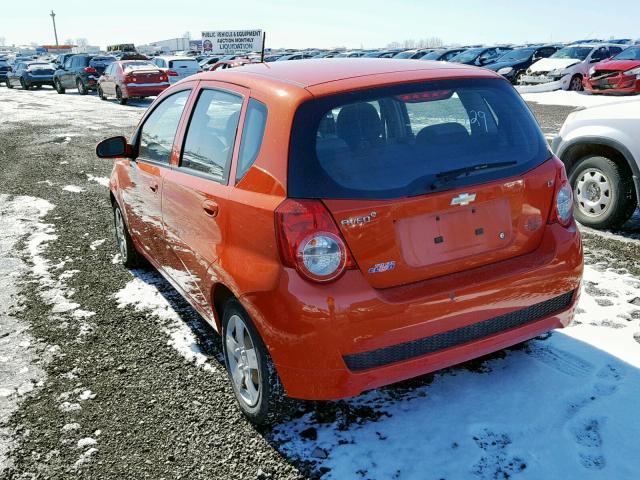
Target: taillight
562 210
309 240
164 78
129 79
90 70
171 73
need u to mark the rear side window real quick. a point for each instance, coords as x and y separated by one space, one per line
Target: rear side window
183 64
159 129
252 135
208 146
409 140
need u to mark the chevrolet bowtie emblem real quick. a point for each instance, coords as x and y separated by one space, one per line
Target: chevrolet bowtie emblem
463 199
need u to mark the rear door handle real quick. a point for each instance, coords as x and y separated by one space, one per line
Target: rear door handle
210 208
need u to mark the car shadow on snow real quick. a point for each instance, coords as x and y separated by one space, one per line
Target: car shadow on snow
553 407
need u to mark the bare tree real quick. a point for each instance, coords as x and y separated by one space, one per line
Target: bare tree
68 41
82 42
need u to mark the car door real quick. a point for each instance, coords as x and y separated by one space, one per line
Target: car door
143 196
67 74
194 197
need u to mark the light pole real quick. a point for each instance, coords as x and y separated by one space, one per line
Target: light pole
55 32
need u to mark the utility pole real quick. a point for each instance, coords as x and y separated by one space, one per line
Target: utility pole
55 32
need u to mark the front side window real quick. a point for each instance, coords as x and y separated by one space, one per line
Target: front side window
410 140
252 134
209 142
159 129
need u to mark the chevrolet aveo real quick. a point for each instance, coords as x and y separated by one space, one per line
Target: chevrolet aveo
349 223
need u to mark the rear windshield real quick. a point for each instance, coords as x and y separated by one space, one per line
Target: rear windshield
409 140
183 63
101 61
137 66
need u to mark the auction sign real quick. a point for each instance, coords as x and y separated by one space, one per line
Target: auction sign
232 41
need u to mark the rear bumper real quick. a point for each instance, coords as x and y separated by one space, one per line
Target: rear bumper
337 341
145 90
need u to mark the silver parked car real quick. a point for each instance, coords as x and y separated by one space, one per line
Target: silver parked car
177 68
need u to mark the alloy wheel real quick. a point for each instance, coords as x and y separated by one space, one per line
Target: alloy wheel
242 361
592 192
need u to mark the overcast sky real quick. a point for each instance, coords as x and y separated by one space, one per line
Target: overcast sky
324 23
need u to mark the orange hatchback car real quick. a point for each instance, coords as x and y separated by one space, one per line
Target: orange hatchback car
349 223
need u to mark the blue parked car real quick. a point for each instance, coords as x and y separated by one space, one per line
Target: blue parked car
514 64
442 54
480 56
4 69
30 74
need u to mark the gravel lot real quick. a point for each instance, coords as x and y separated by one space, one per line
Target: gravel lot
97 384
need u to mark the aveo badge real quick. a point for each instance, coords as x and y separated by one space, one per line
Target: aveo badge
382 267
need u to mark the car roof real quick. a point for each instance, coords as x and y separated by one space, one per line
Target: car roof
314 72
175 57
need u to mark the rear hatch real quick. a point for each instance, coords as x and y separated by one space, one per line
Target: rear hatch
427 179
41 70
144 74
101 63
184 68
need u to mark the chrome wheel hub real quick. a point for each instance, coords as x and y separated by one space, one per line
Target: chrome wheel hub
242 361
592 192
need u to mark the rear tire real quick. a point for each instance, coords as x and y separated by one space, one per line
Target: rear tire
82 90
575 85
58 86
101 93
130 256
9 84
248 361
121 100
24 84
604 196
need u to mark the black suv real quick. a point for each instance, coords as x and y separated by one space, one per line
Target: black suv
81 72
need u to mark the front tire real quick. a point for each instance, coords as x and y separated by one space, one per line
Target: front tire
58 86
24 84
121 100
575 85
130 257
9 84
253 375
604 197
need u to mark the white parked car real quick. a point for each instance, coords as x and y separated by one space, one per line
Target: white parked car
566 68
177 68
600 147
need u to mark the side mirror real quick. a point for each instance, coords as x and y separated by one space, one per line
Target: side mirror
114 147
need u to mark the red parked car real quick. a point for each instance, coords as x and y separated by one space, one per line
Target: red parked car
127 79
619 75
349 223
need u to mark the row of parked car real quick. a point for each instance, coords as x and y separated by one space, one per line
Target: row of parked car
607 68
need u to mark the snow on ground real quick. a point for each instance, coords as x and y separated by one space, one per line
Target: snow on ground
575 99
104 181
149 292
73 189
19 372
563 407
77 112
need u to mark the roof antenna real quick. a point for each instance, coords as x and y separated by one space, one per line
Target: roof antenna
264 36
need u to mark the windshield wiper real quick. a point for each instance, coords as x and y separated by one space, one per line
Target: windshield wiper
450 175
